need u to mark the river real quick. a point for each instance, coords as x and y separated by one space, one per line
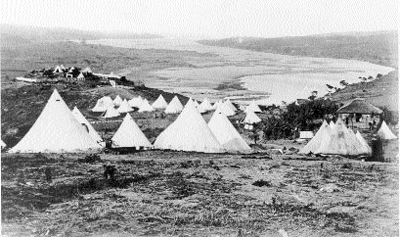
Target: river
278 77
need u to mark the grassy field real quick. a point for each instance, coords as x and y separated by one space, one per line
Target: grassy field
161 193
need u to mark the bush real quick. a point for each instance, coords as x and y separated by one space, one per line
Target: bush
307 116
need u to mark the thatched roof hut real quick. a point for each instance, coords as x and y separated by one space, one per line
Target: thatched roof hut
359 106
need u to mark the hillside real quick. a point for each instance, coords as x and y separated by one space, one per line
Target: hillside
376 47
382 92
40 34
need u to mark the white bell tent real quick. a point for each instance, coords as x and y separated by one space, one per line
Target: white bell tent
189 132
56 131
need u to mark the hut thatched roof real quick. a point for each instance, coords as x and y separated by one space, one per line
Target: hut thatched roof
359 106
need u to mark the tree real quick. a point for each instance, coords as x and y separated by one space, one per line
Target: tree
307 116
370 78
378 76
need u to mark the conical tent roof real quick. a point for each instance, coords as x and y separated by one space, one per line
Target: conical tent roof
313 145
174 107
136 102
80 76
331 124
189 132
251 118
160 103
57 69
367 148
103 104
201 109
124 108
205 105
253 107
229 103
111 113
88 127
340 142
145 107
226 134
216 105
129 135
117 101
87 70
56 131
225 109
385 133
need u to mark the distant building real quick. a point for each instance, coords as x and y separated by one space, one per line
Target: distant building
360 113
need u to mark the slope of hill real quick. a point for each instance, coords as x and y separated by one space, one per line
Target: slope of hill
375 47
20 107
382 92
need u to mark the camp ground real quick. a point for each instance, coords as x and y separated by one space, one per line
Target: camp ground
198 138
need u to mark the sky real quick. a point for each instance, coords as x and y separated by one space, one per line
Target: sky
211 18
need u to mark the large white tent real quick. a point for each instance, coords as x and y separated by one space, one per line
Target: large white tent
145 107
174 107
103 104
226 134
111 113
124 107
205 105
189 132
117 101
88 127
251 118
129 135
313 145
160 103
385 133
56 131
136 102
225 109
366 147
340 141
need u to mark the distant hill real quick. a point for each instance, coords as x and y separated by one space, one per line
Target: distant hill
35 33
382 92
376 47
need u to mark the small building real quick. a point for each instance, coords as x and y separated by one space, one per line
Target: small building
360 113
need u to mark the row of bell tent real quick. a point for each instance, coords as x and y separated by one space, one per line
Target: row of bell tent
175 106
337 139
60 130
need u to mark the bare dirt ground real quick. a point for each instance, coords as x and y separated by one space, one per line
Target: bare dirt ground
161 193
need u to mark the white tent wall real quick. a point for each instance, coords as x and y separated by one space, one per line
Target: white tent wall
189 132
56 131
160 103
226 134
129 135
92 132
174 107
